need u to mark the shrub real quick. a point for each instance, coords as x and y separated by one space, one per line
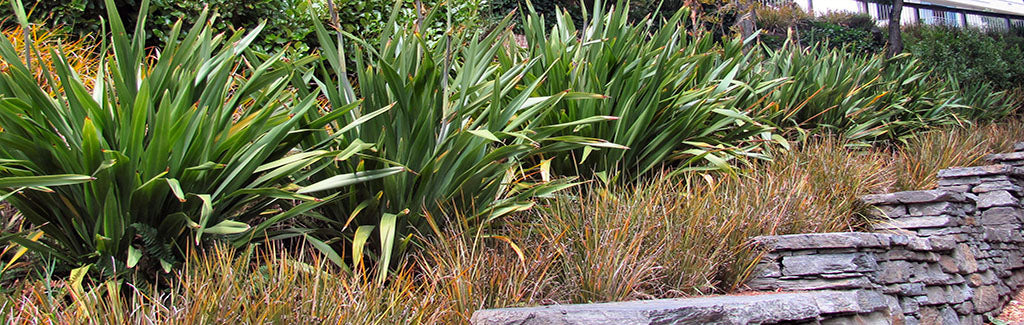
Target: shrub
859 21
160 152
660 238
916 165
225 285
287 21
836 35
779 18
855 32
968 55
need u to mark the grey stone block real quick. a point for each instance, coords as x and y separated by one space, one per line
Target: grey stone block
937 295
996 186
911 320
887 211
965 308
830 263
910 305
1003 235
917 222
957 181
963 188
932 275
972 320
964 257
930 315
948 264
819 284
942 243
986 298
1005 157
975 171
948 316
824 240
934 209
895 272
1000 216
914 197
912 289
997 199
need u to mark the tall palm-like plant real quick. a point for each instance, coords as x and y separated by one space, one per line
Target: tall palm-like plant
678 98
863 97
460 125
161 151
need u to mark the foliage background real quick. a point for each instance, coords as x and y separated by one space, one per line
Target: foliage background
287 21
970 56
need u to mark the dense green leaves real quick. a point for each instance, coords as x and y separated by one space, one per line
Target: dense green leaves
194 141
863 97
675 97
462 125
205 138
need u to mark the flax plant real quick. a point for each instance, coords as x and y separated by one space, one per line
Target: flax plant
462 127
160 153
861 97
678 98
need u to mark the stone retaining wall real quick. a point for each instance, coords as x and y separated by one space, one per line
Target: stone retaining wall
953 255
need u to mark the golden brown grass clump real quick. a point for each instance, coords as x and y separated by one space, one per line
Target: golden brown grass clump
82 54
667 236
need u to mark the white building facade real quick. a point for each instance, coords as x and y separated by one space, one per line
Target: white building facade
985 14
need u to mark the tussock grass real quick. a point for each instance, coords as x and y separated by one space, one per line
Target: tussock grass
82 54
226 286
916 165
667 236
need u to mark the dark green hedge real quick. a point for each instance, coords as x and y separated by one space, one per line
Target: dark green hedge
288 21
971 56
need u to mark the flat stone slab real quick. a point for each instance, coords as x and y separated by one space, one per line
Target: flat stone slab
825 240
765 308
913 197
1000 157
978 171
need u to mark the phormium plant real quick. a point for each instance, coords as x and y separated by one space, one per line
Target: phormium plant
161 152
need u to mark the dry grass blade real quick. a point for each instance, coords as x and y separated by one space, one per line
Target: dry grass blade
82 54
225 286
917 164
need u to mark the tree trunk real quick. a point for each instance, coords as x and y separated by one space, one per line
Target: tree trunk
895 34
747 22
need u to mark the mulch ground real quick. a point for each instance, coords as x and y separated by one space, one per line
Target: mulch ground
1014 311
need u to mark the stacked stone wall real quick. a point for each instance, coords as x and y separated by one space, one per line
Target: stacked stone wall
953 255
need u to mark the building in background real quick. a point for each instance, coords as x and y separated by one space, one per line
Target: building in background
984 14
